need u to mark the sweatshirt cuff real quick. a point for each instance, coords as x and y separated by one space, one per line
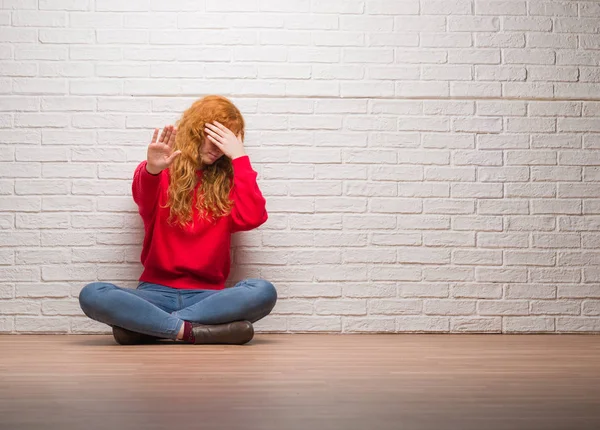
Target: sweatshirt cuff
147 175
242 163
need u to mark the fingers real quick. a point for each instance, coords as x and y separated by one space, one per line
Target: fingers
154 136
163 134
172 138
212 134
168 133
216 142
172 157
222 127
215 129
167 136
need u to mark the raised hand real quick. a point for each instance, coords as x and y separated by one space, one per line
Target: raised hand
229 144
160 152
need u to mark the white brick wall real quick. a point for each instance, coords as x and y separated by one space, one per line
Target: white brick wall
429 165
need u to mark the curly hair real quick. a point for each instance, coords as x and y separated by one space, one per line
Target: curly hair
212 196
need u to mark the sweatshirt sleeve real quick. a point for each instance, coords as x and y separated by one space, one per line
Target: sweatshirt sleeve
145 190
249 206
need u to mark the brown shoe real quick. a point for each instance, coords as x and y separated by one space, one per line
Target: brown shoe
234 333
127 337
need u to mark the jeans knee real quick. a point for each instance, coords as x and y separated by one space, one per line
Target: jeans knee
268 292
264 297
88 296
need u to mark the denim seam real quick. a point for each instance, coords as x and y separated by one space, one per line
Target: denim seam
180 300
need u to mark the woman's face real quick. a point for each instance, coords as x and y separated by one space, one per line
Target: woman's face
209 152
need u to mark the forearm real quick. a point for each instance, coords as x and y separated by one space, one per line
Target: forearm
145 188
249 209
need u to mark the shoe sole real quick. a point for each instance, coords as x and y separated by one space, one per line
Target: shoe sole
236 333
126 337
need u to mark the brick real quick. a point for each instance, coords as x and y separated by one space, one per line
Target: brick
502 307
476 325
41 324
423 324
368 325
314 324
528 325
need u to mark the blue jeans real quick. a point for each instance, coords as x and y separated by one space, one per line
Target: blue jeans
160 311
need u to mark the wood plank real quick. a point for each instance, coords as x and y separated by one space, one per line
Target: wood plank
300 381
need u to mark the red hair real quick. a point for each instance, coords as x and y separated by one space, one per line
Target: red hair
212 198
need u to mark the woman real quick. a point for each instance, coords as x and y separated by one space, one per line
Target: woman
196 187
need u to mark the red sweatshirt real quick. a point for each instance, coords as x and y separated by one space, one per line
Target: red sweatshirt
197 256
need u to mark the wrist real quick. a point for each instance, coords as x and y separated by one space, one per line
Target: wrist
152 170
238 155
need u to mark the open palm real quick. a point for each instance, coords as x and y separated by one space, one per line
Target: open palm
160 151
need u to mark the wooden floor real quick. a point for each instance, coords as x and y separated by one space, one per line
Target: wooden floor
303 381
